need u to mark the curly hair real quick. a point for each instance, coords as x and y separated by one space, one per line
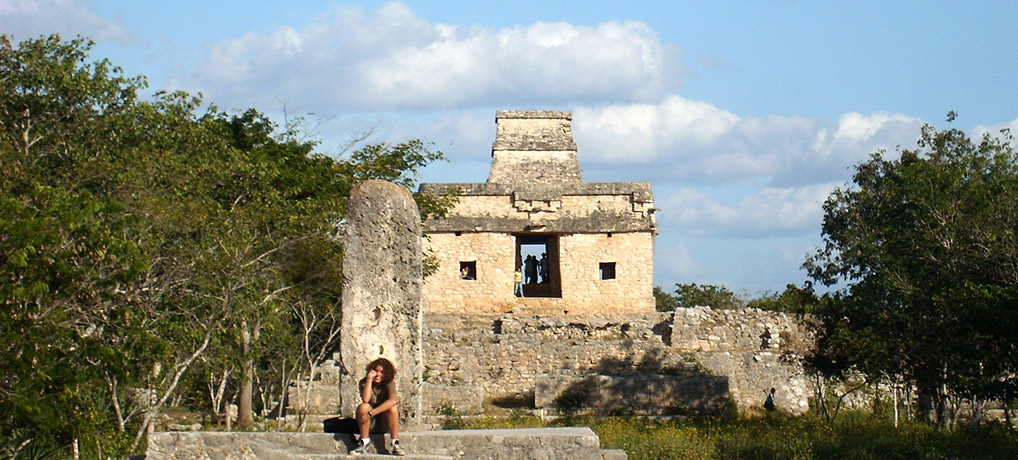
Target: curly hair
388 370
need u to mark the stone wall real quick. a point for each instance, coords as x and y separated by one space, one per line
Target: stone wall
688 360
582 290
756 349
692 354
632 288
594 207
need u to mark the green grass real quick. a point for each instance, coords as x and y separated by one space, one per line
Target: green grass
853 436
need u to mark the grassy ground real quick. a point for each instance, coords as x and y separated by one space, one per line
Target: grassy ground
853 436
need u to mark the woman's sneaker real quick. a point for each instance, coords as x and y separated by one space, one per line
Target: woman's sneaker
362 447
397 449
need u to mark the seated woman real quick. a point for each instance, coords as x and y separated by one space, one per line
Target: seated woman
378 412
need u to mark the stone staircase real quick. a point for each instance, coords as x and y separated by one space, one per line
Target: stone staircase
571 443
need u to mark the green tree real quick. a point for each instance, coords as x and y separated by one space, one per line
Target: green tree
664 301
925 249
148 245
707 295
794 299
69 268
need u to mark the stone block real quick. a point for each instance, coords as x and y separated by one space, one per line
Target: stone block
463 398
641 394
525 444
381 293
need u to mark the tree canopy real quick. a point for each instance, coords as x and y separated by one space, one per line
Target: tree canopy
158 252
924 248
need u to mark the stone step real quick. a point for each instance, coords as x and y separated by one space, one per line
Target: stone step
568 443
368 457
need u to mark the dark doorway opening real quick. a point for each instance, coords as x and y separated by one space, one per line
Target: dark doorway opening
537 255
468 270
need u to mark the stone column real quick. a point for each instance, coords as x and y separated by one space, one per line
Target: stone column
381 311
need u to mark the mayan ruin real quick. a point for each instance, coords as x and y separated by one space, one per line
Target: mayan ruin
596 238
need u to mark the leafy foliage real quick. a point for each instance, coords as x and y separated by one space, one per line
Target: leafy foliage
708 295
664 301
926 247
794 299
155 253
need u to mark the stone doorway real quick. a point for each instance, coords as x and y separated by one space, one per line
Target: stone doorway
543 283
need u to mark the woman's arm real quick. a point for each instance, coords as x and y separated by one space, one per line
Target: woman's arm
366 387
388 403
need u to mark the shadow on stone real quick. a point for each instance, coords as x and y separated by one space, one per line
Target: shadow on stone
343 425
656 384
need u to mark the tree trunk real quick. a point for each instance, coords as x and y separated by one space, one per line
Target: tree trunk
894 394
245 416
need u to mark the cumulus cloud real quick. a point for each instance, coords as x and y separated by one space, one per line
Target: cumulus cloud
25 19
683 140
994 130
392 59
765 213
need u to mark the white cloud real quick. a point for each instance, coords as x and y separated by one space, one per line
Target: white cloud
692 141
994 130
26 19
393 59
767 212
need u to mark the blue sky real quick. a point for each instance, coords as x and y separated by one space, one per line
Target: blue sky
743 115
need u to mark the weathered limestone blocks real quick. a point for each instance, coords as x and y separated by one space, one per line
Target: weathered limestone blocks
688 355
521 356
646 393
757 350
381 293
521 444
574 443
212 445
319 396
505 354
463 398
750 329
533 146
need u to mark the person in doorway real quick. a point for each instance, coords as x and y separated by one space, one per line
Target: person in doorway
378 411
518 277
530 269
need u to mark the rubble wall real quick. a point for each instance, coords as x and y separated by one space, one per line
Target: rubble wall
656 362
525 358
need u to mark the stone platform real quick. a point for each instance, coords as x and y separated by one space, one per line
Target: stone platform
574 443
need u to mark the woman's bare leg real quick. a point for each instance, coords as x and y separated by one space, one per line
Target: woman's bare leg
364 420
393 415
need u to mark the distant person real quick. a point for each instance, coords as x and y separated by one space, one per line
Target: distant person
769 402
378 411
518 277
530 269
543 263
465 274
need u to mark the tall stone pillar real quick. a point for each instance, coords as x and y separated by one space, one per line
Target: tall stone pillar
381 311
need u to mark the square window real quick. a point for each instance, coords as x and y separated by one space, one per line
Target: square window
468 270
607 270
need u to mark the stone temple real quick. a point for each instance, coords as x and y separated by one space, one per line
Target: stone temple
596 238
